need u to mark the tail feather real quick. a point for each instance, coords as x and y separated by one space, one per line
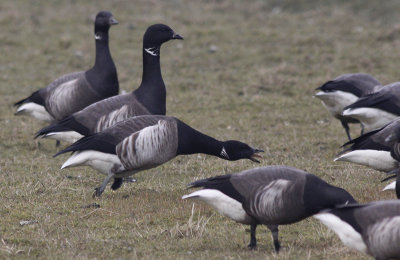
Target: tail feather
35 98
53 128
96 142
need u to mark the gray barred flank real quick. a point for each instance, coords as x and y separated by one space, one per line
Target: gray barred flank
149 147
382 238
112 118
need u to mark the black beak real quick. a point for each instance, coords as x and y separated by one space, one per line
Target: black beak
177 37
112 21
256 156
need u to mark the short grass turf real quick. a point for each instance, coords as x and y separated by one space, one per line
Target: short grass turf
246 70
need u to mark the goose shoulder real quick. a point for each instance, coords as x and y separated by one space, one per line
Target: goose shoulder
149 147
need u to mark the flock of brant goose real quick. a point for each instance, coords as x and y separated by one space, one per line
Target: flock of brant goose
122 135
63 96
149 98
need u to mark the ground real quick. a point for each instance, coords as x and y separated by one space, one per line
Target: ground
246 70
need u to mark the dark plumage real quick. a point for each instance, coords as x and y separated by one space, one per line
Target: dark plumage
376 109
149 98
373 149
273 195
343 91
372 228
145 142
72 92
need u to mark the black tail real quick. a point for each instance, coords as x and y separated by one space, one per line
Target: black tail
67 124
55 127
96 142
221 183
35 98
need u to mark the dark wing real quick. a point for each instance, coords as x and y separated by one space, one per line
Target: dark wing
387 99
107 140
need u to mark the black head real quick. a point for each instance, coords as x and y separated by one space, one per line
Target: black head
234 150
157 34
103 21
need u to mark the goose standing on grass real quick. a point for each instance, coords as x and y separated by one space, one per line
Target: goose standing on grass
373 149
144 142
149 98
344 90
273 195
74 91
377 109
372 228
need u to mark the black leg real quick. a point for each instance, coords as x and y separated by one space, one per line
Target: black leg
347 129
57 143
275 231
253 239
117 183
99 190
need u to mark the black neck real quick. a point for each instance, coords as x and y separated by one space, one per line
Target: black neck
192 141
151 92
103 75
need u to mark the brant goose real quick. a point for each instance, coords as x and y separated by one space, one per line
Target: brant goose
272 195
344 90
149 98
373 149
376 109
393 185
373 228
144 142
74 91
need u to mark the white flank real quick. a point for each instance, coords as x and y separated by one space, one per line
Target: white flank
336 101
347 234
102 162
67 136
378 160
59 100
391 186
371 118
224 204
35 110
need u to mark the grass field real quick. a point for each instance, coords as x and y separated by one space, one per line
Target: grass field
256 87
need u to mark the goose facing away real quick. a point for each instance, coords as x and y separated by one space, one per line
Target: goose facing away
374 149
377 109
344 90
372 228
272 195
144 142
74 91
149 98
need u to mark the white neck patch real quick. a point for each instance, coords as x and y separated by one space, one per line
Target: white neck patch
154 51
224 153
97 36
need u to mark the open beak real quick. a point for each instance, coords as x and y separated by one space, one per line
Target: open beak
113 21
256 156
177 37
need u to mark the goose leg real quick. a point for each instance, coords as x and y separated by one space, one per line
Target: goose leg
362 129
347 129
57 143
99 190
253 239
275 231
117 183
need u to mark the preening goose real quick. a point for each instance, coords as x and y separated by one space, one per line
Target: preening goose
377 109
344 90
149 98
144 142
74 91
273 195
372 228
373 149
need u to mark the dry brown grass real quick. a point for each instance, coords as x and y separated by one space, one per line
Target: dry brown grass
257 87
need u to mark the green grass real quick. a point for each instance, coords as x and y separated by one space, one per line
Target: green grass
257 87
